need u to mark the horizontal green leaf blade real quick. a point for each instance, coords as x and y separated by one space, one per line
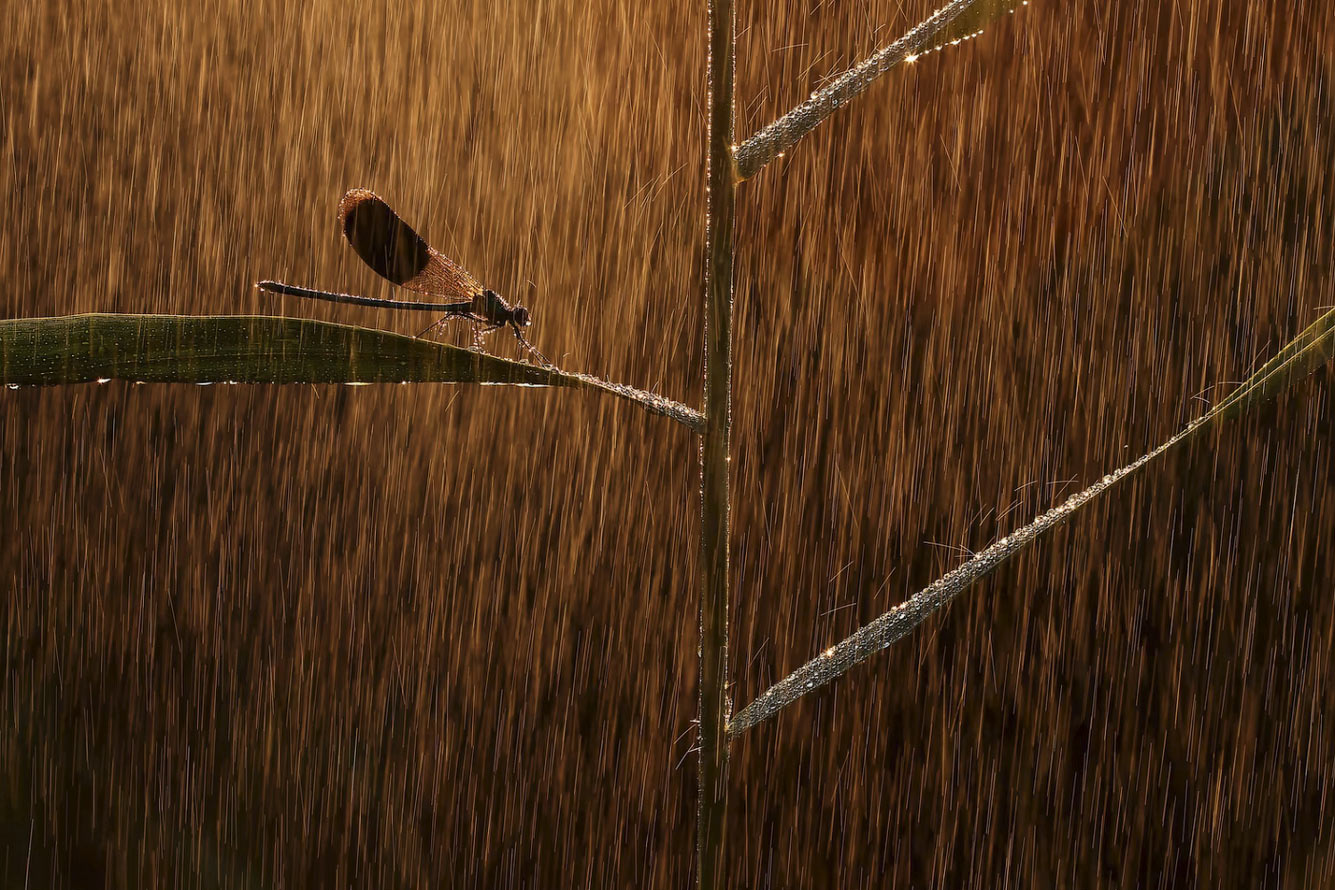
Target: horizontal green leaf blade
235 348
263 349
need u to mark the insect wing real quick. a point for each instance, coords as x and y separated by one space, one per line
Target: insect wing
398 254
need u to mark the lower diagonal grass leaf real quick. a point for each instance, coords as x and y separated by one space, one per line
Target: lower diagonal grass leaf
1307 352
263 349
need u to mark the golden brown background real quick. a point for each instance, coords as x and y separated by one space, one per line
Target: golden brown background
446 636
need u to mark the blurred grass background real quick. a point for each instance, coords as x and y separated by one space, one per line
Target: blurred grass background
320 636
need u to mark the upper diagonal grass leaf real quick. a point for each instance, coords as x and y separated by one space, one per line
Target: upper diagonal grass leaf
955 20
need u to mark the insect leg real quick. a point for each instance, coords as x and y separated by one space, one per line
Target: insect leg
480 332
532 350
440 322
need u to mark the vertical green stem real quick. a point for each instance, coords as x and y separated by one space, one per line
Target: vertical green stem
714 450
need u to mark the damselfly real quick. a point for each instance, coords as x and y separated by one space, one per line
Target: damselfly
399 255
